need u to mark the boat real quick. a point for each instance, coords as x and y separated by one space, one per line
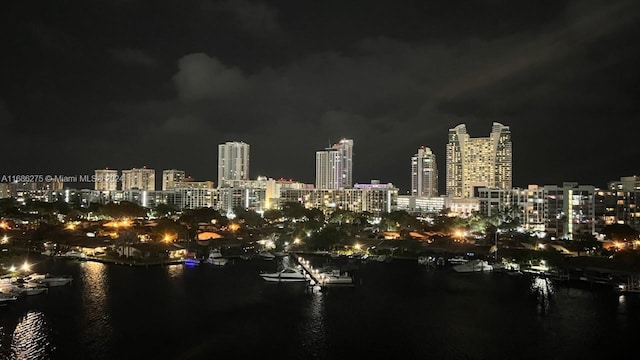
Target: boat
32 289
335 277
191 262
286 275
216 258
457 260
73 254
48 279
476 265
6 299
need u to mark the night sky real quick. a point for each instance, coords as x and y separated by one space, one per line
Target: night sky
123 83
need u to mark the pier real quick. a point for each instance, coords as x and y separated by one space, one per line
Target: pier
323 281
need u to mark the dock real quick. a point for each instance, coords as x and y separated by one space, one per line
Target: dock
319 280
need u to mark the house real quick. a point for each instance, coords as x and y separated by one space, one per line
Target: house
154 251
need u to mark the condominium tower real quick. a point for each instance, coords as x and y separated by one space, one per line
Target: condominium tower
233 162
171 177
141 179
478 162
106 180
424 173
334 166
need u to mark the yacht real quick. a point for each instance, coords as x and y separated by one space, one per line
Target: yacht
335 277
48 280
476 265
457 260
32 289
73 254
216 258
285 275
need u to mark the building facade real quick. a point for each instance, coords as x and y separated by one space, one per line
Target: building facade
106 180
424 173
171 177
233 162
334 166
139 179
478 162
621 202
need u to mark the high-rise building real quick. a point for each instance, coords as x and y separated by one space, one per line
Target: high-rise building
328 169
140 179
478 162
424 173
233 162
345 147
171 177
106 180
334 166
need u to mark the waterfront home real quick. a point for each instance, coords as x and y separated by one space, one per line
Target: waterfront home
154 251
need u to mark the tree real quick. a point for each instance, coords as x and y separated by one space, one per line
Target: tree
325 239
164 210
250 217
166 226
272 215
620 232
293 210
125 209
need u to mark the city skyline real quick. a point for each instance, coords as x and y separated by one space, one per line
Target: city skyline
121 85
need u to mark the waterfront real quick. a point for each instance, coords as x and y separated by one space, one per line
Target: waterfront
396 309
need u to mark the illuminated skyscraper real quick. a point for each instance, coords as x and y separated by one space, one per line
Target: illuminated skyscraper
233 162
141 179
334 166
345 146
171 177
424 173
478 162
106 180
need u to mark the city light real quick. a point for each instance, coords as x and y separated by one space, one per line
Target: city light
25 266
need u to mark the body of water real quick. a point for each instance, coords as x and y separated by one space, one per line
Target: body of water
396 310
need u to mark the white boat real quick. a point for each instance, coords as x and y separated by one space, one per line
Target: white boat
48 280
266 255
32 289
216 258
75 254
285 275
8 287
335 277
457 260
476 265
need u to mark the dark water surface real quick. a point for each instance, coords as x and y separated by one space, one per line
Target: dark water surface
397 310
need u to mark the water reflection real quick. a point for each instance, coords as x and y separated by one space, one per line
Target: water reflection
31 338
314 327
542 289
95 296
175 271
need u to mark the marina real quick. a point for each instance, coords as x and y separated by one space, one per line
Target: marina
108 299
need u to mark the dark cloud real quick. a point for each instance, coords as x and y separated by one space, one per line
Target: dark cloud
201 77
133 57
254 17
292 78
5 116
